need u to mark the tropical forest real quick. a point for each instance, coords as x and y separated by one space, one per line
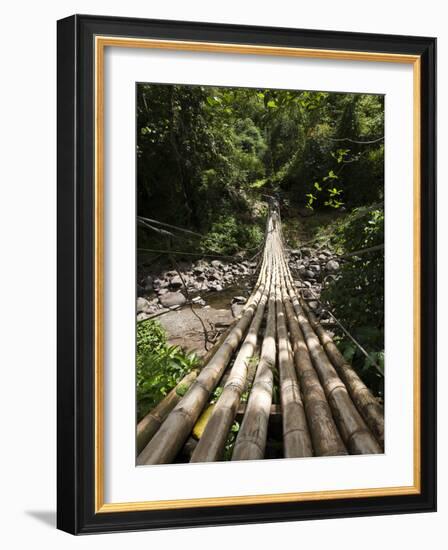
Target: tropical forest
260 273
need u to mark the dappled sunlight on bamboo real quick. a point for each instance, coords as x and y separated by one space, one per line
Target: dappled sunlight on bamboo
325 408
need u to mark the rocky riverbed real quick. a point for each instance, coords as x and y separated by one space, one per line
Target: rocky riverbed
312 269
218 290
168 289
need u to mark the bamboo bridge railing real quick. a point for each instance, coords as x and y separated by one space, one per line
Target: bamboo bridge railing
326 409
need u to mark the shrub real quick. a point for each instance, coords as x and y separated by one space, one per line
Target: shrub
159 366
357 296
228 236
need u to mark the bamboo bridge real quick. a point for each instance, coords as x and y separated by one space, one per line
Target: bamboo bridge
324 406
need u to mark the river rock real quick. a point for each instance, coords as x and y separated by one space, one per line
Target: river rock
239 300
172 299
160 283
201 285
237 309
162 291
200 266
213 275
332 266
176 282
143 306
217 287
216 264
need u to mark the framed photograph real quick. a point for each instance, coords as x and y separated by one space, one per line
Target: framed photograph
246 274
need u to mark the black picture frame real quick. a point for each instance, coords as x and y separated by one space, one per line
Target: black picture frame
76 264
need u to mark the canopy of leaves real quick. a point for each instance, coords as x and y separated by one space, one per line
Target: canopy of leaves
206 155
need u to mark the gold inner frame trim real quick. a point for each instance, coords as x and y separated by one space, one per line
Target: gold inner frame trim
101 42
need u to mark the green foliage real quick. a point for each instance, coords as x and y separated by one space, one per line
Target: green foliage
227 236
357 297
204 151
207 156
230 441
159 366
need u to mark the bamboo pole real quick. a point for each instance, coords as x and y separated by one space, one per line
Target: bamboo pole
296 436
148 426
324 433
320 396
150 423
354 431
170 437
366 403
211 445
251 440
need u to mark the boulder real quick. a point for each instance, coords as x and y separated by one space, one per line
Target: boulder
172 299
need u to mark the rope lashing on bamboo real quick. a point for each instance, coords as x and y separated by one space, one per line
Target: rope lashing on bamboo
326 409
